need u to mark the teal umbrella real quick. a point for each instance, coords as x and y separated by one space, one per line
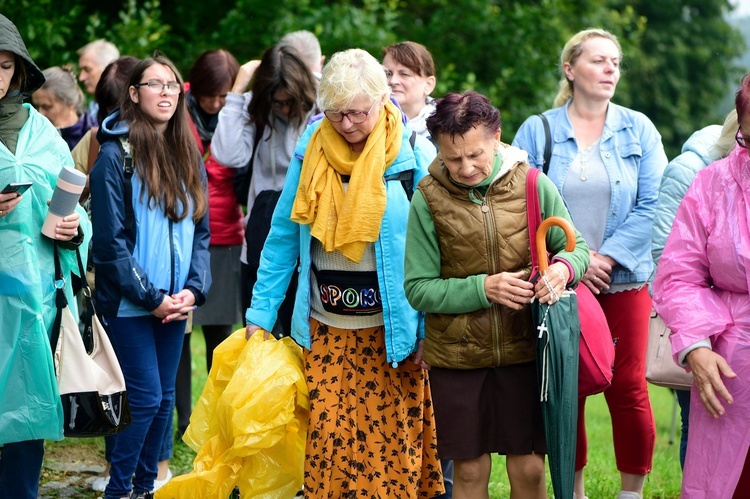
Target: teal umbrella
557 368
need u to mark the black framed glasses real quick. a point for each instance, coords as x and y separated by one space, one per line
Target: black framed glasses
355 117
278 104
740 139
157 87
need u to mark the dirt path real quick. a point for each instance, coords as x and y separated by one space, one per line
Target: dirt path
69 470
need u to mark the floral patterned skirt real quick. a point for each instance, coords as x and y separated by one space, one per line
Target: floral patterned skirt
372 430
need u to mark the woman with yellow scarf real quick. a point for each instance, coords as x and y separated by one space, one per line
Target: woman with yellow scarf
341 223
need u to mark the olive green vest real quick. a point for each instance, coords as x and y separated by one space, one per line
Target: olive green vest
485 238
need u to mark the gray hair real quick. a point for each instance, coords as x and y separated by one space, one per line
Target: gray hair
350 74
102 51
61 83
307 45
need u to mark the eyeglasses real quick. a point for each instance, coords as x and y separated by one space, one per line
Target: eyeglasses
158 87
740 138
278 104
356 117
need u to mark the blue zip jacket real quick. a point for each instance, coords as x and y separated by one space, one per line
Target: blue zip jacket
634 158
288 240
135 270
697 153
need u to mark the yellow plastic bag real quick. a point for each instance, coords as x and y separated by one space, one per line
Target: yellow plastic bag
250 424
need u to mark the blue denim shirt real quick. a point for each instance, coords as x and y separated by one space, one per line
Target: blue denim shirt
288 241
634 158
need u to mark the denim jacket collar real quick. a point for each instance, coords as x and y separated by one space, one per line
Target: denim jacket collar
617 119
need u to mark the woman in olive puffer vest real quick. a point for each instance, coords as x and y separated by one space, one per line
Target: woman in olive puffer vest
467 267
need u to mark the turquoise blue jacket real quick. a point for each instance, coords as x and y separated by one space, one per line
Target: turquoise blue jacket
30 406
634 158
289 241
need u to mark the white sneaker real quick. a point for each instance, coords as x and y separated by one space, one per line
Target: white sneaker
628 495
100 483
160 483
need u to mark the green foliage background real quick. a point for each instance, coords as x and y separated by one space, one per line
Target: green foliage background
679 59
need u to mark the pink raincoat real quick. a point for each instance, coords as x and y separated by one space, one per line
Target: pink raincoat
701 291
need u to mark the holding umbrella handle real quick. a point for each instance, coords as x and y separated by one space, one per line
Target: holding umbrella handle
541 240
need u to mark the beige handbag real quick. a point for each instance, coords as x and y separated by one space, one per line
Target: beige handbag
89 378
661 369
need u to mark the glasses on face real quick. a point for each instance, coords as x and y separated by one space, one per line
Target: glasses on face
278 104
355 117
158 87
740 139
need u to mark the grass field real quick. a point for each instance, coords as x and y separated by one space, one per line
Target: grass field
602 478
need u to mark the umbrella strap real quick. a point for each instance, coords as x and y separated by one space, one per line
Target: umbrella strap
545 372
544 395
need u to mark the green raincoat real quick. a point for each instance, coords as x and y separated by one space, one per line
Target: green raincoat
30 406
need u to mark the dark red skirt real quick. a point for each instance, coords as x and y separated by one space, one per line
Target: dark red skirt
480 411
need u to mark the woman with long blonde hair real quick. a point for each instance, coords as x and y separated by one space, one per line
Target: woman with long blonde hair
607 162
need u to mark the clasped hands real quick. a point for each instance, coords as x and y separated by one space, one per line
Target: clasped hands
510 288
175 307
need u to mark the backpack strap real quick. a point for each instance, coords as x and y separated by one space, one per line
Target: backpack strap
127 166
547 143
93 148
406 177
93 153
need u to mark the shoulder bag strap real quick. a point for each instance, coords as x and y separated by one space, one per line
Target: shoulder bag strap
533 212
547 144
60 300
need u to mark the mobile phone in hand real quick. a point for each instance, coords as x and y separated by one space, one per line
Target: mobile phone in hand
18 187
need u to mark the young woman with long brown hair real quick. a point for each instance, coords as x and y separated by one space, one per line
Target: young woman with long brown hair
151 254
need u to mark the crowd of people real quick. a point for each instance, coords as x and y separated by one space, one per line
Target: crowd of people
336 201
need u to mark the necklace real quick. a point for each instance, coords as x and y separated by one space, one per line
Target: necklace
583 158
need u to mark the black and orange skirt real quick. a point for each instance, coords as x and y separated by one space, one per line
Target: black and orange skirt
372 431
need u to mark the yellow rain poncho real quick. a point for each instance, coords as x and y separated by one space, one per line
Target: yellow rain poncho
250 424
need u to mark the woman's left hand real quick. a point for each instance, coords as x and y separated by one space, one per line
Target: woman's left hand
67 228
557 276
708 367
598 276
184 303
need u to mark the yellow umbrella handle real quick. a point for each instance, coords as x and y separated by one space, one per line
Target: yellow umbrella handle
541 239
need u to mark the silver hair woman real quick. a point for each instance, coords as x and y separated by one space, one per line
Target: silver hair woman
61 100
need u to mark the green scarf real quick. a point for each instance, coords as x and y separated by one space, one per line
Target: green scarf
12 118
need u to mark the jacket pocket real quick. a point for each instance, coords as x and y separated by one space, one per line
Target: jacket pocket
632 151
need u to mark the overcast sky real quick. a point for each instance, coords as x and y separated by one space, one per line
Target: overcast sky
743 8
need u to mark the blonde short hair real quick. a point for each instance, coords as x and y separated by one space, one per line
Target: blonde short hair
350 74
726 141
570 54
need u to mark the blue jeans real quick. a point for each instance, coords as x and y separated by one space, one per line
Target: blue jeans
20 469
149 353
683 400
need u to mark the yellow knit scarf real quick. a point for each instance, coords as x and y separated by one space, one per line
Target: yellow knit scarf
347 221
